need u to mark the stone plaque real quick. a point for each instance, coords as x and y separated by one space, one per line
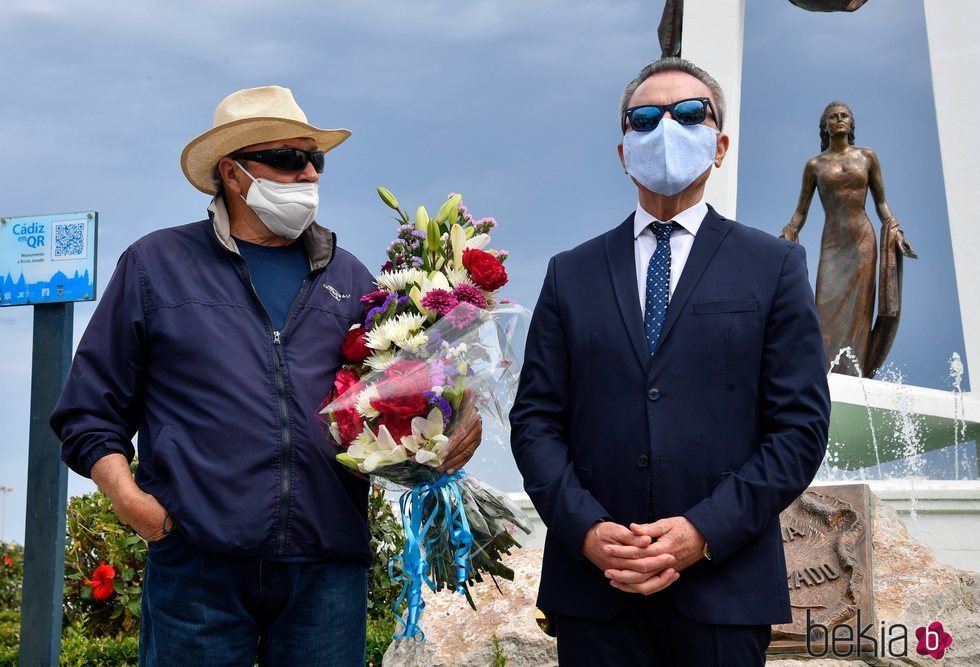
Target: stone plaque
827 542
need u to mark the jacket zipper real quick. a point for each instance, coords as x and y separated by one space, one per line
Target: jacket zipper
287 468
280 362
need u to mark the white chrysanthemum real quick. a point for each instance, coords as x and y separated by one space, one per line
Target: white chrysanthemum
380 360
400 327
363 404
414 344
459 276
397 281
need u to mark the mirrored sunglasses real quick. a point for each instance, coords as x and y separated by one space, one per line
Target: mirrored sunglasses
686 112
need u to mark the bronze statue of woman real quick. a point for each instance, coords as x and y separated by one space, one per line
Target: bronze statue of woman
843 173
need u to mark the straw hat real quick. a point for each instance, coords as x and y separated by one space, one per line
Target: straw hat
246 117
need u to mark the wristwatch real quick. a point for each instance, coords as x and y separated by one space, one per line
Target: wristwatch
706 552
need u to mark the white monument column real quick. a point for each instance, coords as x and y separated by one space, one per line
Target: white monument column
711 38
954 56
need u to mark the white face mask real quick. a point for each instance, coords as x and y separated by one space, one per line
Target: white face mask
285 208
671 156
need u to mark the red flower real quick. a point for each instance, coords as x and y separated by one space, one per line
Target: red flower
349 424
400 395
343 381
101 581
354 346
485 269
6 559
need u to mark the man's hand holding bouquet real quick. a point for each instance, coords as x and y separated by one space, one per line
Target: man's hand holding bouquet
436 339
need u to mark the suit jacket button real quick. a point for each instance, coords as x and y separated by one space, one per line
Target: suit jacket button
653 394
643 461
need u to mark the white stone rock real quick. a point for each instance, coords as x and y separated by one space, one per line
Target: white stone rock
911 588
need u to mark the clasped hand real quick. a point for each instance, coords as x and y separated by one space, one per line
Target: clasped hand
644 558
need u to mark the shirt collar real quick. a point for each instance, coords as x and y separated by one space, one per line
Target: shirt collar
690 219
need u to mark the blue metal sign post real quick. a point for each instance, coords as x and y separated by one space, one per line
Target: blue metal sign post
47 491
46 261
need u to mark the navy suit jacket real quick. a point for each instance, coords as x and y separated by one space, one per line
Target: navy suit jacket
726 424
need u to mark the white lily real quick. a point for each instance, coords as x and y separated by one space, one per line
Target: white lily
435 280
457 238
478 241
427 439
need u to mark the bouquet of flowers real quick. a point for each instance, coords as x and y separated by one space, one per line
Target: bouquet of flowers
434 332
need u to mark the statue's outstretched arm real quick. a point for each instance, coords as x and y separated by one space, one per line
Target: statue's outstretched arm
877 186
791 232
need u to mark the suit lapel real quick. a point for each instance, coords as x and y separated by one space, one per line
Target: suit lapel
710 235
622 269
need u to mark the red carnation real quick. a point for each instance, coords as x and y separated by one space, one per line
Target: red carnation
6 559
349 425
355 346
343 381
400 395
101 581
485 269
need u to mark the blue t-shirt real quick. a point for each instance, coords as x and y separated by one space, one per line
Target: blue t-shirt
277 272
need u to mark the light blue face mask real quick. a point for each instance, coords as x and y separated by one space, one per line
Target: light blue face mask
671 156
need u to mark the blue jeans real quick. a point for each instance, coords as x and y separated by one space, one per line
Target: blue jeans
209 609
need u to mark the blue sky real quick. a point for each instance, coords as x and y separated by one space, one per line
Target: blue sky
512 104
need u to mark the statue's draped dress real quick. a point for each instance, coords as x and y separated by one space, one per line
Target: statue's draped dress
848 256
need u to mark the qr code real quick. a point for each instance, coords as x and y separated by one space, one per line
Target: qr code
70 240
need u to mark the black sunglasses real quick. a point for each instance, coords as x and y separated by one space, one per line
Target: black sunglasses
285 159
686 112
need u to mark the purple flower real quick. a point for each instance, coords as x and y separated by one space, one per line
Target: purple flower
419 233
484 225
375 298
417 262
383 309
437 372
462 315
439 301
438 401
471 295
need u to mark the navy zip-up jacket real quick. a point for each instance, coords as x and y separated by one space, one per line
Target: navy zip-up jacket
181 351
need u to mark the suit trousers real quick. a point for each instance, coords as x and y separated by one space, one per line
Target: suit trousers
651 632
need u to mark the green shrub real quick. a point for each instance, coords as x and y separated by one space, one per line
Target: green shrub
9 637
79 649
387 541
96 536
106 632
11 576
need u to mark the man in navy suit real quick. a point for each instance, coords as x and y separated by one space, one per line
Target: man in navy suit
672 402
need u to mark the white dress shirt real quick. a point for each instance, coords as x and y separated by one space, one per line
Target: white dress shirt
681 240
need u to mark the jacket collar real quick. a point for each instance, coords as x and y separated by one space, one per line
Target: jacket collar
622 267
319 241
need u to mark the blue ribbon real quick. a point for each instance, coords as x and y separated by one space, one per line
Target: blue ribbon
447 516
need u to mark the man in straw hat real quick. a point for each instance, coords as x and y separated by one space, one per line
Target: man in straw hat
216 342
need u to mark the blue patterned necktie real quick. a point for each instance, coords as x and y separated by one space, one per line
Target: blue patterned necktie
658 284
